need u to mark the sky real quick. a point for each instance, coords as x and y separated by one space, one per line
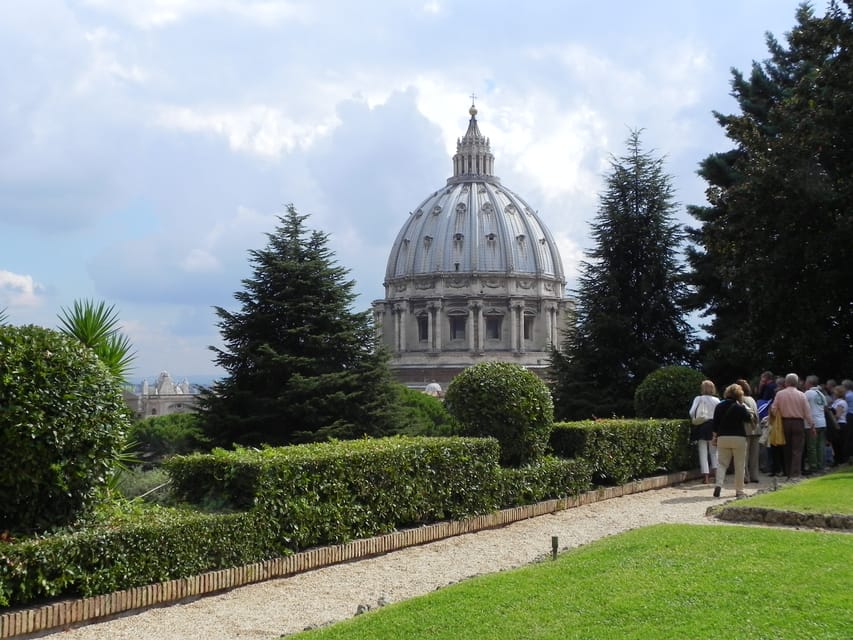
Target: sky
146 147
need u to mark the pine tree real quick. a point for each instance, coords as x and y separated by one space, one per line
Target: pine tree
301 365
630 317
772 257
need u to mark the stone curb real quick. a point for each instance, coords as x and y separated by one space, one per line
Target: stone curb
787 518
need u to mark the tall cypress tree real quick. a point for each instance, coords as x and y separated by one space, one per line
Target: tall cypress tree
630 317
772 257
301 365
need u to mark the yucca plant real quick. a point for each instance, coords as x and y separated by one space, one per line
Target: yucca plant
97 326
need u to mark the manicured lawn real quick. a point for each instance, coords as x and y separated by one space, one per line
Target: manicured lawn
666 581
829 494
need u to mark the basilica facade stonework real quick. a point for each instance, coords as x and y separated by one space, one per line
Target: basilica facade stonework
473 275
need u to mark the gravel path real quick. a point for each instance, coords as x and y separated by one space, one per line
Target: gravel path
270 609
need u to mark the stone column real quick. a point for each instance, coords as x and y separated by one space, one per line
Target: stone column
436 316
475 312
516 313
400 328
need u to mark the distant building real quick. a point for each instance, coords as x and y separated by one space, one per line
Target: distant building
162 398
473 275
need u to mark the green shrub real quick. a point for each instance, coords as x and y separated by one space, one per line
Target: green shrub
143 546
507 402
158 437
667 392
62 426
622 449
545 479
423 415
333 492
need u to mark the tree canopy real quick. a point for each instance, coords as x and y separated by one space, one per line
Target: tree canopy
630 317
771 260
301 364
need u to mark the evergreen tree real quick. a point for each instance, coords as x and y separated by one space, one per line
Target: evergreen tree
301 365
772 257
629 319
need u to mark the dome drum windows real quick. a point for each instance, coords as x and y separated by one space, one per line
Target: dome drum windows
457 320
423 326
494 324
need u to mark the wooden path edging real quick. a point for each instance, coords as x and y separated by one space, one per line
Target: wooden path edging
35 620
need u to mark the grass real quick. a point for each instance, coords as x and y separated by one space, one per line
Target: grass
829 494
662 582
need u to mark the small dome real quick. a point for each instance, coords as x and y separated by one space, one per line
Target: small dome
474 224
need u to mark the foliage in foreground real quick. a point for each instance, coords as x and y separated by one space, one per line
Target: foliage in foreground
131 549
667 392
62 425
286 500
301 365
641 584
506 402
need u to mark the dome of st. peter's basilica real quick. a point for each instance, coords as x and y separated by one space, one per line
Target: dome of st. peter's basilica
474 274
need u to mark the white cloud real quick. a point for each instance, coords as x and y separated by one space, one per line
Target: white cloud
257 129
433 7
18 290
105 66
154 14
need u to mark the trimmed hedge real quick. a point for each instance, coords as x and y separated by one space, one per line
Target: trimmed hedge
333 492
157 545
623 449
309 495
546 479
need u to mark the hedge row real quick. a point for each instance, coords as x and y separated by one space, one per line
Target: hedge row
158 544
620 450
292 498
332 492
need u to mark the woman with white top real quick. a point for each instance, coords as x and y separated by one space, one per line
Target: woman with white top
702 415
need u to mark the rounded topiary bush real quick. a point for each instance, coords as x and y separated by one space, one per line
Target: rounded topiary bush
667 392
62 425
507 402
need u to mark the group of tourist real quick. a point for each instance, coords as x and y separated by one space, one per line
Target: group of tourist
813 419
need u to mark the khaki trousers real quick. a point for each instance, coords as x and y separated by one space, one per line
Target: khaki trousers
729 447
